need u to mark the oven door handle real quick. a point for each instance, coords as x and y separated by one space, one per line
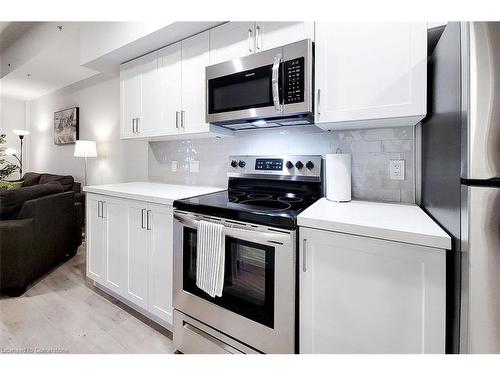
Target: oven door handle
278 59
248 234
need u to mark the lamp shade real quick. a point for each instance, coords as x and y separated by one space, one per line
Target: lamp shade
10 151
20 132
85 149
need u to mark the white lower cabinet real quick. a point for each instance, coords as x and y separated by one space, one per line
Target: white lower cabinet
160 261
136 250
366 295
129 251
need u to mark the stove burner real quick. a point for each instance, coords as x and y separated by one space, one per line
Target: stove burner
232 199
267 204
259 196
290 198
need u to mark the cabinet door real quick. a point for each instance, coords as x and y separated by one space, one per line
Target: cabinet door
364 295
160 220
231 40
269 35
96 244
137 254
367 71
170 66
115 214
130 98
150 119
194 61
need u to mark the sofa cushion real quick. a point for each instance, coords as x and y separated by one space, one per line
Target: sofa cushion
11 201
31 178
66 181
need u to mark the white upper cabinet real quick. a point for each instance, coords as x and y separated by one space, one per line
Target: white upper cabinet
269 35
231 40
361 295
195 58
170 62
130 98
150 119
372 74
236 39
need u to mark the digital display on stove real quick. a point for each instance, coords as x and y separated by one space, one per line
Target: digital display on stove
269 164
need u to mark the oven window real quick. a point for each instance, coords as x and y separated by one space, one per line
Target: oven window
248 278
249 89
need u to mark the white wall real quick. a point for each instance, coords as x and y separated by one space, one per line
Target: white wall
13 116
98 98
371 151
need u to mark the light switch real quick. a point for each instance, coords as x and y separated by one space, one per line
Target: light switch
194 166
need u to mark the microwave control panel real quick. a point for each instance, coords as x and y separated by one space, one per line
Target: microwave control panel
294 81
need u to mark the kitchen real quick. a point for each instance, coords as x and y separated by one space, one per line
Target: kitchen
257 75
279 187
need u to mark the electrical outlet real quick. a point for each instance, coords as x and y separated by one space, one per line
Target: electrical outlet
194 166
397 169
174 165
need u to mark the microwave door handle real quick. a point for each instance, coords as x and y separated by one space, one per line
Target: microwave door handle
275 82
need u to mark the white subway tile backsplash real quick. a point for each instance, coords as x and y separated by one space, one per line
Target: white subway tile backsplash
371 151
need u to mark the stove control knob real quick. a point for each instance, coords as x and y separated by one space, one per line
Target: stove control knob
234 163
289 164
299 165
242 164
309 165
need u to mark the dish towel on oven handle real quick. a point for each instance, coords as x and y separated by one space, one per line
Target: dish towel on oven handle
210 258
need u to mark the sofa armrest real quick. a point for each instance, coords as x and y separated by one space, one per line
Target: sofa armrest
77 187
16 253
54 220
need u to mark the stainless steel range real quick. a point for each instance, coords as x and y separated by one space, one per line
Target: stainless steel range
257 310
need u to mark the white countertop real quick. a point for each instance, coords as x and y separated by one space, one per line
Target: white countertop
390 221
151 191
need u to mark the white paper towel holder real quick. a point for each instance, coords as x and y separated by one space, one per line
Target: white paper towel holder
338 169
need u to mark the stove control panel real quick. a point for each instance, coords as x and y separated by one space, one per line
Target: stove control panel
289 167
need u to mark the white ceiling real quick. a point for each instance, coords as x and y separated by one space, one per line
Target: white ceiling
54 66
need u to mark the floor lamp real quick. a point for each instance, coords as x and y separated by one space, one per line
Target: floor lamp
85 149
21 133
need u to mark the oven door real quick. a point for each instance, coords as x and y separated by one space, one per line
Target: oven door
257 306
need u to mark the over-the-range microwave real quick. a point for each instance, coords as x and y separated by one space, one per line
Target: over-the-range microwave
267 89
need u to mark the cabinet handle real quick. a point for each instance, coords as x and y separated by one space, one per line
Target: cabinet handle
257 41
142 218
102 210
148 219
317 101
138 123
133 125
98 208
177 119
304 268
183 119
250 40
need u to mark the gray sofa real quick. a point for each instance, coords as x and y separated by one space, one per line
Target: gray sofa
40 226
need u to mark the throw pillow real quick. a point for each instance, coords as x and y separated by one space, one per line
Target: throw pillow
10 185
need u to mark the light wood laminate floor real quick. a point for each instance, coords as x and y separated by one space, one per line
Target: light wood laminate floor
64 312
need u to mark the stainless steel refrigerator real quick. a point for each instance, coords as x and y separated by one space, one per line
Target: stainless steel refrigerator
461 177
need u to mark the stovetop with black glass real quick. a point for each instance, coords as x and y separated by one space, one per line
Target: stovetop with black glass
270 190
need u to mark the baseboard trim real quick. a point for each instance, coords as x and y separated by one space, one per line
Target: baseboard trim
133 306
